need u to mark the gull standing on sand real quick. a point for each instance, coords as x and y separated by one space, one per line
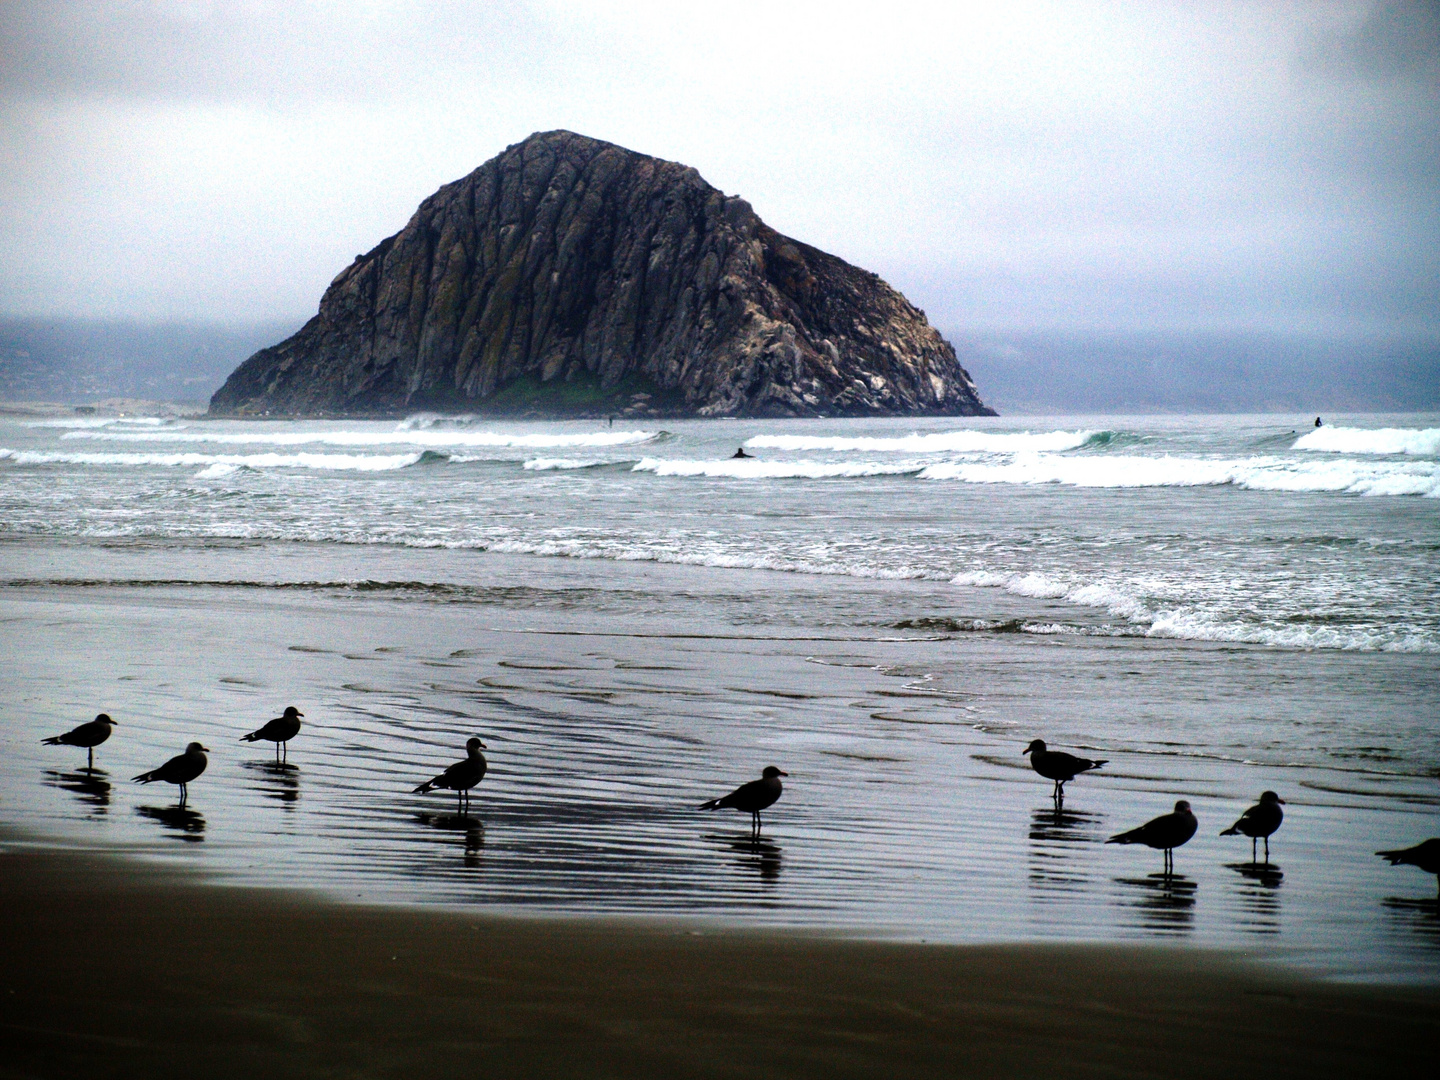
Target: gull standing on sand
1260 822
1166 832
460 777
1425 855
279 731
179 770
1057 766
89 735
751 798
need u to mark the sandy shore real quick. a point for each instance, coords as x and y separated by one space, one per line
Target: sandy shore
116 968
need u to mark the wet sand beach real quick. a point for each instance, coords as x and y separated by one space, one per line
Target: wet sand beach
117 968
615 698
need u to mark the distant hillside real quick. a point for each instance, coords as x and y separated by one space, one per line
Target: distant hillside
75 360
1073 372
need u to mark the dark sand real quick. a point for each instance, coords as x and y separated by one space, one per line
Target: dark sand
113 969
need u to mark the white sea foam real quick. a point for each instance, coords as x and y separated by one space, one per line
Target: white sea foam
421 421
216 471
348 462
430 439
1422 442
1256 473
966 442
90 422
760 469
1190 625
552 464
701 555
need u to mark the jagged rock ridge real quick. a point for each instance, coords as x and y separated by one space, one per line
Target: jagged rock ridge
571 275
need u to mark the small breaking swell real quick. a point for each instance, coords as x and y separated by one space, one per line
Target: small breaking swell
701 555
1420 478
1143 620
214 465
565 464
79 423
1421 442
985 442
370 438
760 469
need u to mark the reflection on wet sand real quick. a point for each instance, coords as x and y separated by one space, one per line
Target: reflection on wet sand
187 824
757 855
1055 833
473 830
89 784
1166 902
278 780
1417 917
1259 896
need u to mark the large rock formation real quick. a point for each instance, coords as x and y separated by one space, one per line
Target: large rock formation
572 276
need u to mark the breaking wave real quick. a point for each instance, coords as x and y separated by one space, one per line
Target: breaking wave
1421 442
90 422
1255 473
758 469
551 464
221 464
966 442
1192 625
434 439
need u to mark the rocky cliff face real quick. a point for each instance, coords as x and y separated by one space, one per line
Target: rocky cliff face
569 275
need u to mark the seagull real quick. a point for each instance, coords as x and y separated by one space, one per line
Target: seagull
1166 832
279 731
179 770
1260 821
88 735
460 777
1057 766
1425 855
751 798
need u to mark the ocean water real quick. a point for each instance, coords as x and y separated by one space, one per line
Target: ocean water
634 620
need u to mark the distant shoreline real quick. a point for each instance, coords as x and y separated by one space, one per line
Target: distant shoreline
127 968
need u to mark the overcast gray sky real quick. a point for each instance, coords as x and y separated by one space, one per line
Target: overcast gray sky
1225 166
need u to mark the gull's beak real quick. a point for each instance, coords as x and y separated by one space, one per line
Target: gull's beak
206 749
784 774
299 713
1280 801
1025 751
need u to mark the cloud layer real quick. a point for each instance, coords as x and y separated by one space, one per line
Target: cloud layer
1008 166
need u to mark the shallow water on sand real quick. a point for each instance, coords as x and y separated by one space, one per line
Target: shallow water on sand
616 696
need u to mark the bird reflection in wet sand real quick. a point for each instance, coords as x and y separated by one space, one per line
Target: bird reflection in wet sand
757 854
1054 834
279 780
1415 915
89 785
1055 823
187 824
473 830
1259 895
1166 901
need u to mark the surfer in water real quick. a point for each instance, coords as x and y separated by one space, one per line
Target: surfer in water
740 453
1318 423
